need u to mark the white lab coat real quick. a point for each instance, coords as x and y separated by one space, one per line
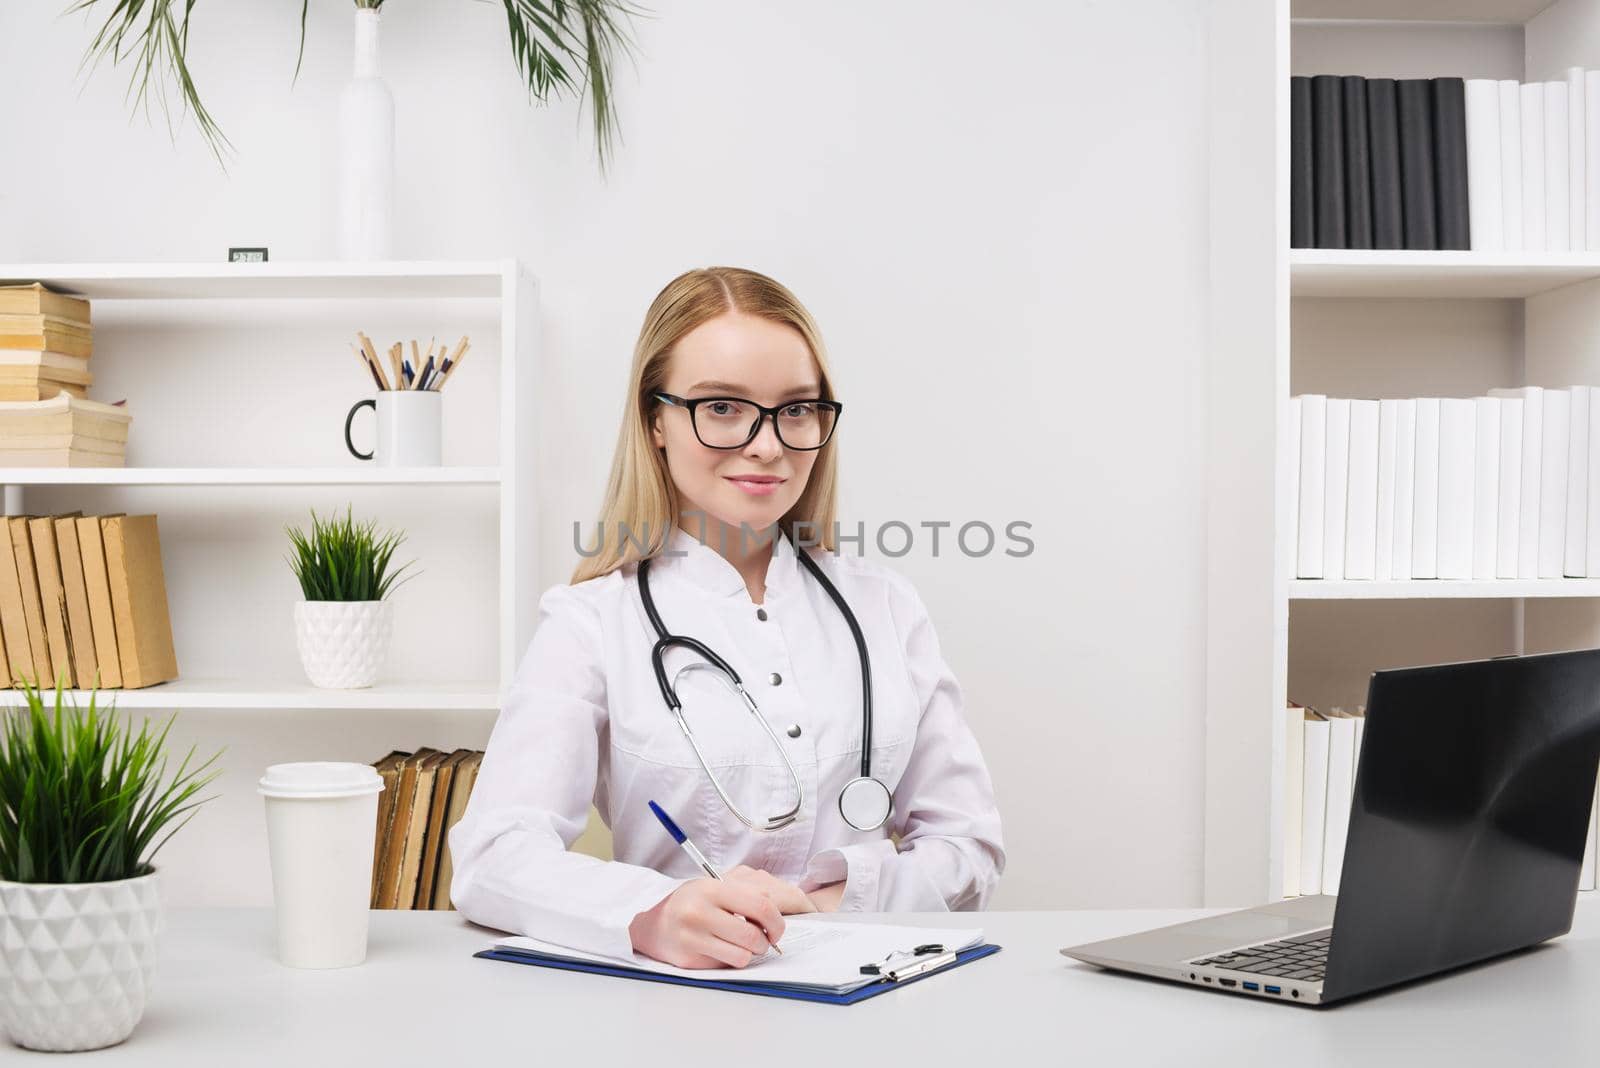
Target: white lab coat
584 720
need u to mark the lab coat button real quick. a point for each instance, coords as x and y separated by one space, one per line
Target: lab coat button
794 730
775 678
761 614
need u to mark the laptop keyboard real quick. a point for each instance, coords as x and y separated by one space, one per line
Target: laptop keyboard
1302 957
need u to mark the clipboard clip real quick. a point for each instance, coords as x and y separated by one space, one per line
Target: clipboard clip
924 958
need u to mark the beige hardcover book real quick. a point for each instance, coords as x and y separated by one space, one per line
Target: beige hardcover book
139 599
80 625
417 832
388 769
22 443
394 845
51 339
32 609
437 811
97 587
52 598
13 622
19 427
60 458
33 298
42 390
24 374
461 783
16 359
28 324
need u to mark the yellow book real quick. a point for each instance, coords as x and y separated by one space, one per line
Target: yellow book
461 783
33 298
41 390
13 621
80 625
23 374
139 600
74 457
51 338
11 323
52 597
97 586
32 610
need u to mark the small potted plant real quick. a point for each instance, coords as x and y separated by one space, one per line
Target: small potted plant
344 624
84 807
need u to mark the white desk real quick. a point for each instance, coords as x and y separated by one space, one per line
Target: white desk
421 999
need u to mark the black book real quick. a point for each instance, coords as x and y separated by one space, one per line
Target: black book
1327 160
1357 169
1302 207
1450 162
1383 136
1414 105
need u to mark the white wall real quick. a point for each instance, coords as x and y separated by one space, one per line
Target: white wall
998 220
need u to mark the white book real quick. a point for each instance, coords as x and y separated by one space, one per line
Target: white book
1591 164
1533 222
1458 462
1314 804
1577 161
1383 556
1575 560
1592 520
1553 483
1361 509
1510 93
1425 492
1335 488
1341 782
1294 481
1507 545
1485 215
1556 234
1294 784
1486 488
1405 475
1528 507
1313 476
1586 873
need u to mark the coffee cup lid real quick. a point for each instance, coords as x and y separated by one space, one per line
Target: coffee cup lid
320 778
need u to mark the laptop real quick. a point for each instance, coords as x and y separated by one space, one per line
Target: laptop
1467 831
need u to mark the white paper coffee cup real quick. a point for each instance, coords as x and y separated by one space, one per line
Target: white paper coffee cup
321 821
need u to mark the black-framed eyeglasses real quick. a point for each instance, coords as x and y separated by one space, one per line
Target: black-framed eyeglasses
734 422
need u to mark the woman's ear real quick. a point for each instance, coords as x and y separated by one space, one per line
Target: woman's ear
655 432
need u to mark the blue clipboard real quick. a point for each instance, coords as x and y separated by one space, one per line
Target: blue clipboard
871 990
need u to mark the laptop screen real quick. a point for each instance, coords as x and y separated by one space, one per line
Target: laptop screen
1470 815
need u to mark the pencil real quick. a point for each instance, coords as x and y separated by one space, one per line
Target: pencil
394 358
460 354
368 365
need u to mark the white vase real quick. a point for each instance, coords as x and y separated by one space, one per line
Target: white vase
76 960
366 152
343 644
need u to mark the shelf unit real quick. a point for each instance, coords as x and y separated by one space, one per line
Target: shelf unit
499 288
1447 323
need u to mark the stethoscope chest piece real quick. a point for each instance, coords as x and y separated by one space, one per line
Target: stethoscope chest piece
865 803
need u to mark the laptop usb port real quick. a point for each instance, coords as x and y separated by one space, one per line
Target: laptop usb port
1274 989
1228 982
1252 986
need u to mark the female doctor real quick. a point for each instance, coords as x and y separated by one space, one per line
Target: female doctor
725 462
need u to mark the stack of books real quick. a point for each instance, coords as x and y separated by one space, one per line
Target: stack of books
1445 163
424 795
45 343
83 602
64 431
1505 486
1322 752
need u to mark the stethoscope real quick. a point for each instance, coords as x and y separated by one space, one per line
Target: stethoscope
864 802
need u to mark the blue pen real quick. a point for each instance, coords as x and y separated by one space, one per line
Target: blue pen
694 853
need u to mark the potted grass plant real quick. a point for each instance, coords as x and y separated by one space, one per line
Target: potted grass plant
344 624
85 805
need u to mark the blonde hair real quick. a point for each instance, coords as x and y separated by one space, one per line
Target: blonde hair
640 496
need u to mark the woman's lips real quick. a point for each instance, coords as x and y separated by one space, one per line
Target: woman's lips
757 487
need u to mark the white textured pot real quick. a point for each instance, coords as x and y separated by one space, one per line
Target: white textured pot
343 644
366 152
75 960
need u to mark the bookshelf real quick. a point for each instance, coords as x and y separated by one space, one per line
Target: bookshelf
1363 324
211 356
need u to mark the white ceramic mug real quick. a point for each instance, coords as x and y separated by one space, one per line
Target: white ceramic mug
321 818
410 422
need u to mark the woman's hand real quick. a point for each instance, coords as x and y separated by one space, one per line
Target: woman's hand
789 899
707 923
826 898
